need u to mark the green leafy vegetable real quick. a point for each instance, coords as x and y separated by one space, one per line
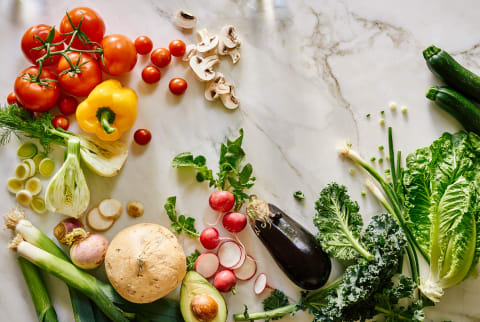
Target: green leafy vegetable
180 223
274 301
191 260
299 195
339 224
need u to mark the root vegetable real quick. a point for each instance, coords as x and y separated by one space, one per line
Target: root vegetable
222 201
260 284
234 222
97 222
110 208
224 280
207 264
229 254
210 238
89 252
247 270
135 209
69 231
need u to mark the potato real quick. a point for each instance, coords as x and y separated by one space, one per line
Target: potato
145 262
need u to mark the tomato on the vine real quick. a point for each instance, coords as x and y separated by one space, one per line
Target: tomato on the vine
37 96
178 86
61 122
143 44
12 98
30 42
83 78
92 26
142 136
161 57
67 104
177 48
151 74
119 54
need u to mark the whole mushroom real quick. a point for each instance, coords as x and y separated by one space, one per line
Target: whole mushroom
202 67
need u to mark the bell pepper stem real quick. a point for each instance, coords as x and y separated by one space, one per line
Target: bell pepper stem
106 117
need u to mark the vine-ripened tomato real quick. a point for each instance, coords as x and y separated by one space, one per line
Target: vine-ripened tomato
119 54
144 45
79 83
142 136
92 26
161 57
30 41
12 98
67 104
177 48
151 74
178 86
33 96
61 122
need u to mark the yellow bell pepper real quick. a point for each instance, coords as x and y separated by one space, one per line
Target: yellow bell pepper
108 111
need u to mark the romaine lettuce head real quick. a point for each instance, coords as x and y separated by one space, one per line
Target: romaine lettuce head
441 203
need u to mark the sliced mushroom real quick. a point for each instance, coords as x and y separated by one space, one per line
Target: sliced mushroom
203 67
223 50
229 36
190 51
207 42
216 86
229 100
235 55
185 20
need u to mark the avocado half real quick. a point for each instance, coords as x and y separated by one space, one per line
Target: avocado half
194 284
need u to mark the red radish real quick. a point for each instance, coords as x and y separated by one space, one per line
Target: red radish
229 254
234 222
222 201
224 280
210 238
207 264
247 270
243 256
260 284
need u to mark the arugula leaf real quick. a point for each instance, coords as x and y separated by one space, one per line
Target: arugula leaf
187 160
299 195
339 224
191 260
274 301
180 223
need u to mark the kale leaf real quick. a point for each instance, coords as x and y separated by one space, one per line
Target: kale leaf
274 301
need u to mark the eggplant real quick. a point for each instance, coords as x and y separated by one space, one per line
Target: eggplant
294 248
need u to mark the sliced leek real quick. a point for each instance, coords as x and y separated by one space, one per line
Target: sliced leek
24 197
34 186
31 166
46 167
22 171
14 185
27 150
38 205
37 159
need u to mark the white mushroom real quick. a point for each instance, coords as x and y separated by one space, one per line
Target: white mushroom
190 51
203 67
216 86
229 36
229 100
185 20
223 50
207 42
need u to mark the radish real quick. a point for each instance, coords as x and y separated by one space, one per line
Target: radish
243 256
247 270
234 222
229 254
224 280
207 264
222 201
260 284
210 238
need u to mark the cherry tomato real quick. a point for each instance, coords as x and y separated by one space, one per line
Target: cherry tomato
12 98
177 48
178 86
119 54
30 42
151 74
37 97
67 104
85 76
161 57
92 26
142 136
143 45
61 122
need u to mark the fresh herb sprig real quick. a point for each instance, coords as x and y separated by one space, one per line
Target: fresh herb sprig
276 300
191 260
180 223
299 195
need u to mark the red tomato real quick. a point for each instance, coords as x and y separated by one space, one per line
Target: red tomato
178 86
12 98
142 136
30 41
161 57
36 97
143 45
61 122
67 104
177 48
119 54
92 26
83 79
151 74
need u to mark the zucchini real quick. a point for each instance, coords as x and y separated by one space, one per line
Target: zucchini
451 72
460 107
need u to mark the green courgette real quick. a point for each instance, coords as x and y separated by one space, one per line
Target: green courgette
460 107
451 72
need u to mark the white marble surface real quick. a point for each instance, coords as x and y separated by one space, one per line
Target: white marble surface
310 71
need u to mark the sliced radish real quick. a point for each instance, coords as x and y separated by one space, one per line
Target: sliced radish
247 270
260 283
242 258
207 264
229 254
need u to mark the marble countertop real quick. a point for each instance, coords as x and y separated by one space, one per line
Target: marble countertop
309 73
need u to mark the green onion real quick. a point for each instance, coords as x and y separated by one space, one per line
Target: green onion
27 150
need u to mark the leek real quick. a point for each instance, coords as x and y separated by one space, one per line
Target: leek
67 192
